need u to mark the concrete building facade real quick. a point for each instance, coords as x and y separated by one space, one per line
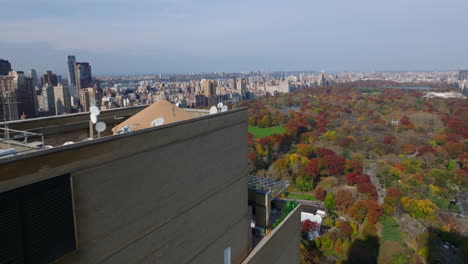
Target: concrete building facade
130 200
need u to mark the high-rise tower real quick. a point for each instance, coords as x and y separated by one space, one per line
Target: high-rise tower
71 60
84 78
5 67
49 79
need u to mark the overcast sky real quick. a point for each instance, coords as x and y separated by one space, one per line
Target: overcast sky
153 36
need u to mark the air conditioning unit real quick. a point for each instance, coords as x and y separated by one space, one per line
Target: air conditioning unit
259 231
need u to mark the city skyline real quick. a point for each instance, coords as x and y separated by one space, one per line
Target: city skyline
175 36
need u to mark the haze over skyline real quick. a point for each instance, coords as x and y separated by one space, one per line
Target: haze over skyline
144 36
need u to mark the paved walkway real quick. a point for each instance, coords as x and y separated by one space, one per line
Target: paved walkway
371 170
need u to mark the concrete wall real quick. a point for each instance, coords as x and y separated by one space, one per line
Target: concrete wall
282 245
75 127
170 194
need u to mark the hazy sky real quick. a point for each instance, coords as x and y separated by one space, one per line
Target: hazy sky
152 36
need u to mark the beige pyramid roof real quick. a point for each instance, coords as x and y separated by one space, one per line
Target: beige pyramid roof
163 108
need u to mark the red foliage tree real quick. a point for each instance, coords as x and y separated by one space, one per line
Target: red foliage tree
309 226
463 158
364 178
368 188
405 121
321 152
313 168
390 140
453 148
426 149
351 178
346 230
334 163
354 166
320 193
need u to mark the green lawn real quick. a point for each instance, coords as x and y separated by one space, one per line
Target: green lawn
390 230
301 196
265 132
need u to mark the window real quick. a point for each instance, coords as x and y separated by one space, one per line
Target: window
36 222
227 255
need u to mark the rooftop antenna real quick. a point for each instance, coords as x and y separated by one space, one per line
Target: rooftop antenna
213 110
157 122
94 117
100 127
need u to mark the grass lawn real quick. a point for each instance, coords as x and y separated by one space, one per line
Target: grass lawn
265 132
390 230
301 196
388 250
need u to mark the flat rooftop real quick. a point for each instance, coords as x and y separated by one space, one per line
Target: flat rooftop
57 133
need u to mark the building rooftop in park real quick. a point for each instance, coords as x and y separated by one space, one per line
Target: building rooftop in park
125 198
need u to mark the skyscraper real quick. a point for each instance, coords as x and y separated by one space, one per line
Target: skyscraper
71 60
84 78
463 75
48 99
62 100
49 79
17 96
25 94
210 91
33 75
5 67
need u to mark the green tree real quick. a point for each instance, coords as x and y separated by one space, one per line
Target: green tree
330 201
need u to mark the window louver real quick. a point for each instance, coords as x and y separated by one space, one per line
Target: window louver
36 222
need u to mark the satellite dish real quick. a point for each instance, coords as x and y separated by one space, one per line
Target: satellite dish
177 104
93 118
213 110
220 105
100 127
94 110
224 108
157 122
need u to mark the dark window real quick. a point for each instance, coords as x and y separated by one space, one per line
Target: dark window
36 222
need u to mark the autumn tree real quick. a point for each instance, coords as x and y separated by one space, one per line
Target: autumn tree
418 208
368 188
320 193
344 199
346 230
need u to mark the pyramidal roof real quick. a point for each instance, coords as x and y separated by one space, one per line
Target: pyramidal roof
160 109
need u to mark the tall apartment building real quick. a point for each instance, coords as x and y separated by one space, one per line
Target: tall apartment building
5 67
71 60
242 87
49 79
33 75
8 103
17 96
210 92
62 100
48 99
25 94
89 97
83 76
463 75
